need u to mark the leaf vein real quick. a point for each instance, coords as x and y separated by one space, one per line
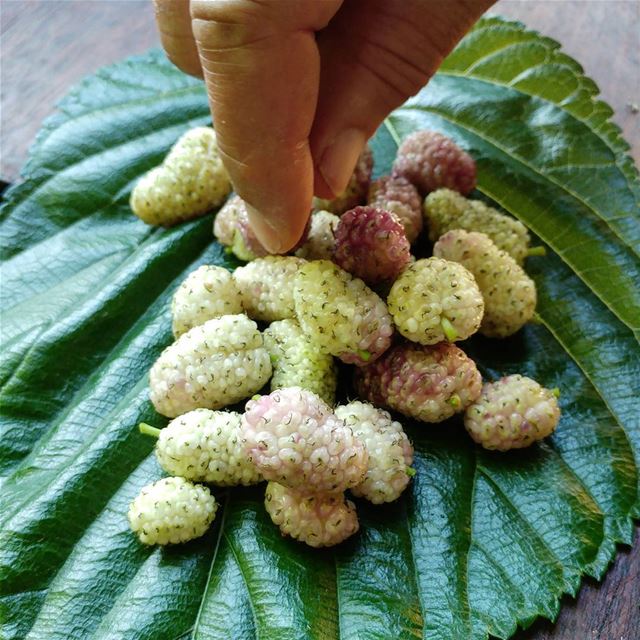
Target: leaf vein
551 554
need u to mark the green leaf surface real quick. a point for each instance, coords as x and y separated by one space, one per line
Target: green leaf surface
480 544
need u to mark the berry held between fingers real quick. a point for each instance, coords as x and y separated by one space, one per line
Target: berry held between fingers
318 519
356 191
428 383
397 195
430 160
206 446
297 363
435 300
512 413
191 181
371 244
232 228
341 315
266 287
293 437
210 366
170 511
509 294
321 241
208 292
446 210
390 452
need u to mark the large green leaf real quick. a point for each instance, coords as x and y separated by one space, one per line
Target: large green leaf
480 543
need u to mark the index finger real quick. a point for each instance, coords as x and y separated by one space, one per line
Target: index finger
262 67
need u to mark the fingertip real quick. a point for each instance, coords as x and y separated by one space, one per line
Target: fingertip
339 158
174 25
320 188
277 232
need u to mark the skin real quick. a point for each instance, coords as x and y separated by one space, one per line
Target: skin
297 87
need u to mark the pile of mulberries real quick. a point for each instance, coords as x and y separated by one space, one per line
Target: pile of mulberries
350 303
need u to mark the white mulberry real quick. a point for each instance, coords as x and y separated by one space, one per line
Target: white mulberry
191 181
208 292
321 241
232 228
297 363
390 452
266 287
318 519
294 438
171 510
341 315
446 210
428 383
211 366
512 413
434 300
206 446
509 293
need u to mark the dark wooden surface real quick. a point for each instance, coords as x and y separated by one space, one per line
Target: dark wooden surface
47 46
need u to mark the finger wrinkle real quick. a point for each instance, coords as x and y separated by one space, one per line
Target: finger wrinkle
211 42
257 158
395 70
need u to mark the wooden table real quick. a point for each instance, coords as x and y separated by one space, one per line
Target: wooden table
47 46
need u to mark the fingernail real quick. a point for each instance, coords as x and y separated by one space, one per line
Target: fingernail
267 233
340 158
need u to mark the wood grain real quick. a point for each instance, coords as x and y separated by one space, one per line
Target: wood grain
48 46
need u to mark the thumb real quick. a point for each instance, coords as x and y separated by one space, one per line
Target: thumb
262 68
174 25
375 54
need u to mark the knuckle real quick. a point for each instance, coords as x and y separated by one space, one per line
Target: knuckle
229 24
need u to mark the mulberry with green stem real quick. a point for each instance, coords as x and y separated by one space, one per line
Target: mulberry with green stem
204 446
390 452
435 300
446 210
232 228
428 383
509 293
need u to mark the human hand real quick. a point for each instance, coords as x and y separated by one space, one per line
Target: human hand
297 87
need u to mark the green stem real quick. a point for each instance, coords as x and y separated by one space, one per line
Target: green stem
448 329
364 355
537 251
410 471
556 392
148 430
535 319
455 401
